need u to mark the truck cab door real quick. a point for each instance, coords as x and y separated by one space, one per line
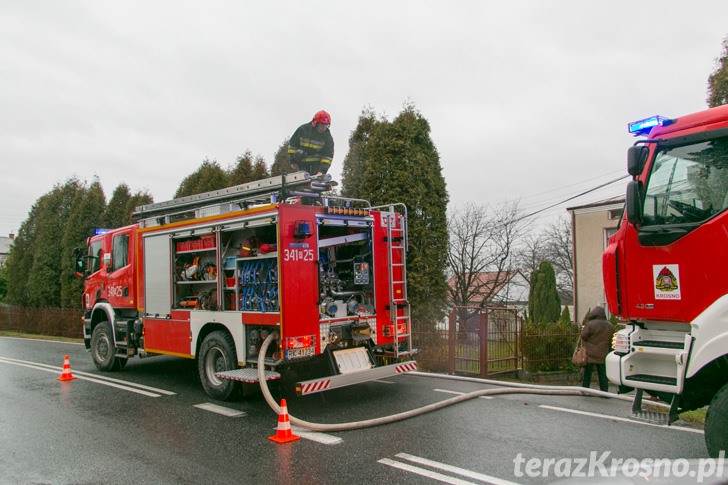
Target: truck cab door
676 254
119 288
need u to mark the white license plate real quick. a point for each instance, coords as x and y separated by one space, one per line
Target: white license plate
298 353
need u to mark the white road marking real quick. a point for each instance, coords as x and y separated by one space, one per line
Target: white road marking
619 418
86 376
459 393
323 438
481 478
385 382
423 472
214 408
454 469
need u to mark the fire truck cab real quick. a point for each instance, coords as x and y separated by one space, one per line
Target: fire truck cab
210 276
665 270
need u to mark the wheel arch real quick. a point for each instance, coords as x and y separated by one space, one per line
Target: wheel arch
710 338
202 323
706 382
103 311
207 329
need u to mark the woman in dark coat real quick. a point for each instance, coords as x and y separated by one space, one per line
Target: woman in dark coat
597 336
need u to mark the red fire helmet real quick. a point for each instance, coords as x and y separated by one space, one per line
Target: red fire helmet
321 117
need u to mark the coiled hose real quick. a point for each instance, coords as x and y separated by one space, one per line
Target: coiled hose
369 423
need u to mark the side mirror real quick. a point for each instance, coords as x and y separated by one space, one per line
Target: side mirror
80 259
633 203
636 159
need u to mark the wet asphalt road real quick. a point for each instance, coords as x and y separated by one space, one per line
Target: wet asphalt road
92 430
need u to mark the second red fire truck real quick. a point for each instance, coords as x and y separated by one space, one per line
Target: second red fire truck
210 276
665 270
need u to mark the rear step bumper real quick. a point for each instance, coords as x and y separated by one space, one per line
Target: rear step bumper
246 375
333 382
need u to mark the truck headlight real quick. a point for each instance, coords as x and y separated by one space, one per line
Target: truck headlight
620 342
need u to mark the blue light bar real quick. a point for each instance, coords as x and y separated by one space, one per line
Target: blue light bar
643 127
99 232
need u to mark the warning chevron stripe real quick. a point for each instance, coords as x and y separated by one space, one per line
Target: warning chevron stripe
317 386
406 367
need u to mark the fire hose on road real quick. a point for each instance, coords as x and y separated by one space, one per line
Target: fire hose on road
369 423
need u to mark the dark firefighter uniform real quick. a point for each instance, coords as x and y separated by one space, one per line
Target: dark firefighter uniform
310 148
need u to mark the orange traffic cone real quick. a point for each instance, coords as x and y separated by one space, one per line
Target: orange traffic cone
284 433
66 374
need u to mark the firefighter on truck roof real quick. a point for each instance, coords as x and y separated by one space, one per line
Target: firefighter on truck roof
312 147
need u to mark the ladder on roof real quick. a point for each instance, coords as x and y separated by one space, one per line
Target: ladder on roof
399 307
270 190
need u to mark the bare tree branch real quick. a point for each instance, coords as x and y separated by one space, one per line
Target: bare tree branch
482 240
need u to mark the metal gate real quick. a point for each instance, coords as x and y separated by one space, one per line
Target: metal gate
484 341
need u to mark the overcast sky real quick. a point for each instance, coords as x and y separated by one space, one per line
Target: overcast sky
527 100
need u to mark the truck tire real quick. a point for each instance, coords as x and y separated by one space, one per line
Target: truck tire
217 354
102 348
716 423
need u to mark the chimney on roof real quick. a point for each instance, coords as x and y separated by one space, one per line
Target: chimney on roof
12 236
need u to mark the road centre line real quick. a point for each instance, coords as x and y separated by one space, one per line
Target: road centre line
106 381
459 393
454 469
215 408
618 418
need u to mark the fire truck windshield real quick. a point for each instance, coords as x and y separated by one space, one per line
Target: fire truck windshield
688 184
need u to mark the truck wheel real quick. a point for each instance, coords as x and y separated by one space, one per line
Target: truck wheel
102 348
716 423
217 354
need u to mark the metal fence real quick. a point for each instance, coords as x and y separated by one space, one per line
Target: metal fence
493 341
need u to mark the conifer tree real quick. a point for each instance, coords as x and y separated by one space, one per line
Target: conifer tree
280 160
136 200
20 260
117 212
40 269
44 277
398 162
565 315
260 170
242 171
85 217
210 176
544 305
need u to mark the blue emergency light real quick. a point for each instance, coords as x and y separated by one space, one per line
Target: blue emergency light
99 232
643 127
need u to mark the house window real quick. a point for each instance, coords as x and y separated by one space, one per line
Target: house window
607 234
614 214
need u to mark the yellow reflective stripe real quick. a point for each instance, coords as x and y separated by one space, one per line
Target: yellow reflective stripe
291 150
316 145
327 161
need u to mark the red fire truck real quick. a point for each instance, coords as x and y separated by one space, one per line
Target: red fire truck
665 270
210 276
